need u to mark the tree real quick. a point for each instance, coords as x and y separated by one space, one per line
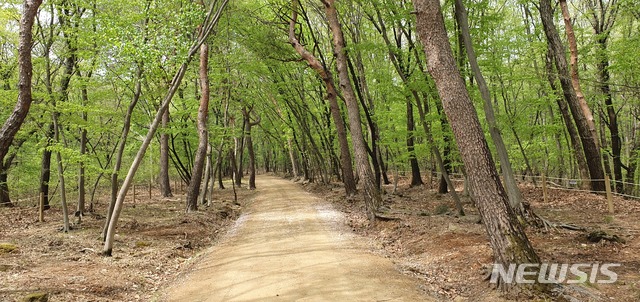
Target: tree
506 236
332 95
203 134
372 197
25 71
589 144
211 20
515 197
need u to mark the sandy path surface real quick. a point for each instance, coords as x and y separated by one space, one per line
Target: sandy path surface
291 246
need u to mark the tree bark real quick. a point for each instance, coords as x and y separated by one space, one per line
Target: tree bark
515 196
603 18
126 127
506 236
345 156
371 192
575 79
203 133
25 72
63 190
589 144
574 137
165 181
416 179
212 19
45 166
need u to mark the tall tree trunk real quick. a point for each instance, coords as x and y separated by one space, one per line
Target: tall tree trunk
515 196
211 20
25 72
506 236
574 137
80 209
603 17
203 133
575 79
165 181
45 166
63 189
249 141
416 179
371 192
589 145
345 156
126 127
5 199
207 176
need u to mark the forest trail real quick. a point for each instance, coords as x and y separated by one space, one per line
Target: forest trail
291 246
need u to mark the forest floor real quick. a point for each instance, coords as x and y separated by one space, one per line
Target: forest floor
155 242
159 246
450 255
290 245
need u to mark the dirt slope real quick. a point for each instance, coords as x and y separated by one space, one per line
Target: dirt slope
291 246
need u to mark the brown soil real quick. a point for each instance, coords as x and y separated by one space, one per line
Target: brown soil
289 245
450 255
155 241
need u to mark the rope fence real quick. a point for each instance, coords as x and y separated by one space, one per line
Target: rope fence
554 183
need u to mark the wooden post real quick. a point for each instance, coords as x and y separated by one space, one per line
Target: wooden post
149 190
544 187
41 208
607 186
134 193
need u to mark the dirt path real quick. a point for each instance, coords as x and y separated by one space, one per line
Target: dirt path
291 246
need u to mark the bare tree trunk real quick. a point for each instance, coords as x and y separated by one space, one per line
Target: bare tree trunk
506 236
589 144
292 158
207 175
203 133
416 179
603 17
63 190
249 141
211 20
345 155
45 166
575 79
574 137
515 196
126 127
372 196
80 209
5 200
165 182
25 72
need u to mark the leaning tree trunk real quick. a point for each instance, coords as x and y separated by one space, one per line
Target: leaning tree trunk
506 236
589 144
25 72
126 127
345 156
211 20
575 79
603 17
515 196
203 134
372 196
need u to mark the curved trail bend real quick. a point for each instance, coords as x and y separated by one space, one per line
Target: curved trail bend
291 246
